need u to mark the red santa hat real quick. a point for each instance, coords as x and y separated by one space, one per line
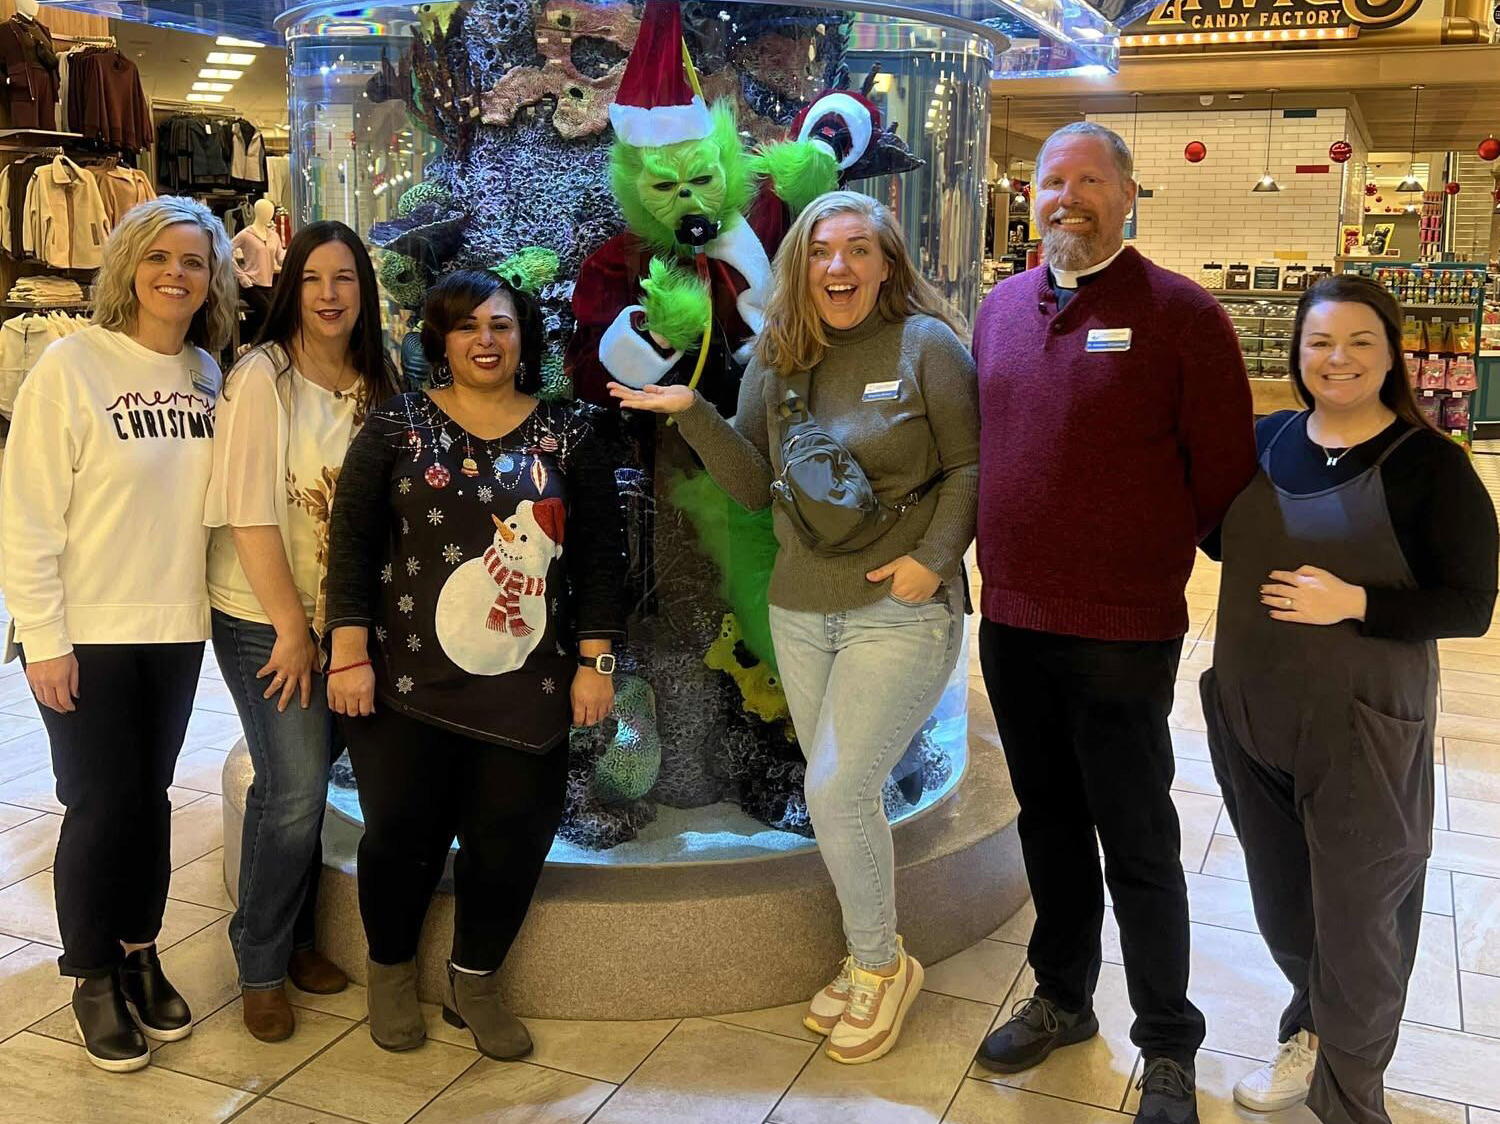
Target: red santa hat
857 113
656 103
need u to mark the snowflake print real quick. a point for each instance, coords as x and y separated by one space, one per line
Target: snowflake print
413 567
385 573
406 604
486 494
404 684
453 554
405 527
404 485
380 633
434 516
414 643
549 686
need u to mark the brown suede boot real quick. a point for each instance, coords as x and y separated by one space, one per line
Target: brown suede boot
268 1015
395 1017
313 972
474 1002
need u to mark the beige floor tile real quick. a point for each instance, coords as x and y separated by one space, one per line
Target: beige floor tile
708 1071
1468 727
1481 1116
1476 908
267 1110
1440 811
24 748
1191 745
221 1049
51 1082
1479 645
17 698
10 944
28 909
1474 817
1438 897
1455 660
1239 989
1196 815
351 1003
1475 682
13 814
1224 902
1447 1064
203 969
26 849
202 770
1017 930
1225 825
1481 1003
1225 859
604 1051
984 1102
984 972
1195 776
202 882
208 727
214 695
785 1020
1478 705
197 829
356 1078
1408 1108
61 1026
937 1046
516 1094
1217 1074
1473 769
1187 708
1432 996
30 988
1095 1072
1469 854
36 790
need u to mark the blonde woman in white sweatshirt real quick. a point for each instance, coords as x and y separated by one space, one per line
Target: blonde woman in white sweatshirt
102 557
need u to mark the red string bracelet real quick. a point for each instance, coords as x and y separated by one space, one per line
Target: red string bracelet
346 667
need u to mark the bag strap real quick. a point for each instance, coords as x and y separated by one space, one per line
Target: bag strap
792 408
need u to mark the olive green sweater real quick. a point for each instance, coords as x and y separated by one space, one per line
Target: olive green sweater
928 431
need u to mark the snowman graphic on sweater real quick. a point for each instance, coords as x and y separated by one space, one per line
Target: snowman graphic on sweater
492 611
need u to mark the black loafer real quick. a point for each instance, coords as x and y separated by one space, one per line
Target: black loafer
1035 1028
1169 1093
110 1037
161 1012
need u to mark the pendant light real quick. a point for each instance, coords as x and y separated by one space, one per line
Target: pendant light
1005 168
1268 182
1411 183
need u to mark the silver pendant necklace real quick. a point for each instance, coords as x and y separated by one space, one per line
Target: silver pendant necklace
1331 459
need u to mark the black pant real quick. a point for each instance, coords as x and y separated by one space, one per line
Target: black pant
419 788
1084 725
113 758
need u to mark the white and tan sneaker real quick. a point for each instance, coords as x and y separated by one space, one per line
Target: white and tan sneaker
871 1022
827 1007
1283 1081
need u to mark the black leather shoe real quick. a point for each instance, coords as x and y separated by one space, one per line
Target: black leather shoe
1169 1093
161 1012
1035 1028
110 1037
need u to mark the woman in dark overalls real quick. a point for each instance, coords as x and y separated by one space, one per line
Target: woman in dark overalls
1364 538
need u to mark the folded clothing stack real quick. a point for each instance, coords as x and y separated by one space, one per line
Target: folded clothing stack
42 290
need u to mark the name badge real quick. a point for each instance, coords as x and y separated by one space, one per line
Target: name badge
882 391
1108 339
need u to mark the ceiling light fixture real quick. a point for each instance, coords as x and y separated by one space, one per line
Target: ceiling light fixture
229 58
206 97
212 87
1005 168
231 41
1411 183
220 75
1268 182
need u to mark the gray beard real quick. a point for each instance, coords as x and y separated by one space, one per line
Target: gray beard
1073 251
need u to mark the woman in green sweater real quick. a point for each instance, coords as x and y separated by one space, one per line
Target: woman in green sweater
865 641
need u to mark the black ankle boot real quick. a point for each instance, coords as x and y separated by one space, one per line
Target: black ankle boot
110 1037
161 1012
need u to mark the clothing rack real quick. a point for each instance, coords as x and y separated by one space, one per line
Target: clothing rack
202 109
87 40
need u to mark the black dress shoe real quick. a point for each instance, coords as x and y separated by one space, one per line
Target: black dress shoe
1035 1028
161 1012
1169 1093
110 1037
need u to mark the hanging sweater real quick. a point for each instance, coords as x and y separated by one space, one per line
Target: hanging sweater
928 431
1101 470
101 501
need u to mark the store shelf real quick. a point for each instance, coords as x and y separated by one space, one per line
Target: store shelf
1255 294
32 307
1441 307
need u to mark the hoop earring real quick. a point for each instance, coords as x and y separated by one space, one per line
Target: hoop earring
442 376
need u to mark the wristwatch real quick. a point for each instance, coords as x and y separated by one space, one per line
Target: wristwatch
604 665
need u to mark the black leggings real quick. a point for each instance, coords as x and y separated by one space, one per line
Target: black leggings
113 758
420 787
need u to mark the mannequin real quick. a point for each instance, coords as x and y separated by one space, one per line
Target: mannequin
28 9
258 253
30 68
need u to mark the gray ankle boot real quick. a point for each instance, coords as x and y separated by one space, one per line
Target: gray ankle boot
395 1018
474 1002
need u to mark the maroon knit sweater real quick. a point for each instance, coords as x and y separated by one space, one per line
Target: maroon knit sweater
1101 471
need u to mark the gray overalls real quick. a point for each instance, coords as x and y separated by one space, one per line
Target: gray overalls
1322 742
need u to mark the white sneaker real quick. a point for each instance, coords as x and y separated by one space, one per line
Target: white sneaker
1282 1082
827 1007
877 1006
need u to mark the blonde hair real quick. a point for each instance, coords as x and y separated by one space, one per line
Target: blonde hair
794 336
115 302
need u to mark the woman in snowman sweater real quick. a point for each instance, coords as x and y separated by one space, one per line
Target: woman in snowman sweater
477 562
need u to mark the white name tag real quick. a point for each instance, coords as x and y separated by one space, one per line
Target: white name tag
882 391
1108 339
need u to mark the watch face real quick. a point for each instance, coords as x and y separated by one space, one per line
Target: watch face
605 664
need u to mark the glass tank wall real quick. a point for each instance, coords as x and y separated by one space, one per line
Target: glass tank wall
477 135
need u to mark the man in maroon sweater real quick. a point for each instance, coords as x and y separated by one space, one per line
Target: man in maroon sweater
1116 428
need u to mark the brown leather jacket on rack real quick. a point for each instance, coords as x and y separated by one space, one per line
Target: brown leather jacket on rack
30 62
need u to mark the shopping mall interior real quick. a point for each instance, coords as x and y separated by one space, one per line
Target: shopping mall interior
677 931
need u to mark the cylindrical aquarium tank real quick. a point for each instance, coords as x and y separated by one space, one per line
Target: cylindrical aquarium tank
478 135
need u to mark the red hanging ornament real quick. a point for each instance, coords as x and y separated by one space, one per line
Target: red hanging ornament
1452 187
1380 198
1489 149
1195 152
1371 189
437 476
1340 151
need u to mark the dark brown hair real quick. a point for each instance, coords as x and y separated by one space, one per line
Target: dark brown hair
456 295
1346 288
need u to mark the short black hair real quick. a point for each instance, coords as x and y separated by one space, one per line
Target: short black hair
456 295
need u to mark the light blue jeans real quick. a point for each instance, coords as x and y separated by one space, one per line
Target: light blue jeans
860 684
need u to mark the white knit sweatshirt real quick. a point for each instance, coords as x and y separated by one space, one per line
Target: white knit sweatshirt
101 498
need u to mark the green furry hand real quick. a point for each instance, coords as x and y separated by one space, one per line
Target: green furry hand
800 171
677 305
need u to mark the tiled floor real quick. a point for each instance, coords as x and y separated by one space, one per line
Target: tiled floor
760 1066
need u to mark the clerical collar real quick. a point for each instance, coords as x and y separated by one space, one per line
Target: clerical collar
1069 278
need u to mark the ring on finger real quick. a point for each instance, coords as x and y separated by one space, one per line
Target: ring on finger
1287 601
